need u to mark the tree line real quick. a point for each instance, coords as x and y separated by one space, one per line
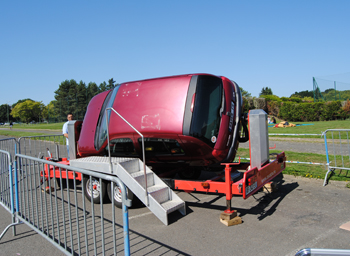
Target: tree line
70 97
73 97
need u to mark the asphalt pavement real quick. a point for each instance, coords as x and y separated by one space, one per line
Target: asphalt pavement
301 214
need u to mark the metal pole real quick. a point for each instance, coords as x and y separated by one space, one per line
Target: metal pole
313 82
122 186
48 113
8 117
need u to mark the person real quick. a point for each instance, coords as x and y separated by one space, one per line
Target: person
11 125
269 120
273 120
65 131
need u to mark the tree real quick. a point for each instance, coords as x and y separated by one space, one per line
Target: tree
5 111
266 91
71 97
92 90
61 105
28 110
111 83
49 113
20 101
81 101
303 94
103 87
244 93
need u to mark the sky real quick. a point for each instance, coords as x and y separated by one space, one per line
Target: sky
277 44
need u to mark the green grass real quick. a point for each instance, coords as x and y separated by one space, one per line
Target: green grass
315 128
10 133
305 170
15 134
53 126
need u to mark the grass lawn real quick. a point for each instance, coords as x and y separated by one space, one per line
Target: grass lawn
305 170
311 128
52 126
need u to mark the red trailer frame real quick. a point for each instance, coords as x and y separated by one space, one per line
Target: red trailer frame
55 171
253 180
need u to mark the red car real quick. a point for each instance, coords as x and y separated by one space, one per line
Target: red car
186 120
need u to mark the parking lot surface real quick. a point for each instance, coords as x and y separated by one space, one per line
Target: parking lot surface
301 214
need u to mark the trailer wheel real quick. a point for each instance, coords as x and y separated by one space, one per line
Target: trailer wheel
118 194
63 185
98 189
190 173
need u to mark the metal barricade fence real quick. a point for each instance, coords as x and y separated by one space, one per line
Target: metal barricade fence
43 146
9 145
7 186
338 151
6 181
63 215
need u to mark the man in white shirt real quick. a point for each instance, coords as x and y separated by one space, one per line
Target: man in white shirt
65 131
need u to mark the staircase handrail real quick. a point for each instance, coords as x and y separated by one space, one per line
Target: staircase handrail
143 146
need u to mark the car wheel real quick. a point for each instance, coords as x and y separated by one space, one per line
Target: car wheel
118 194
98 189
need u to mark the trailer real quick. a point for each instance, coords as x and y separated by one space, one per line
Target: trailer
235 178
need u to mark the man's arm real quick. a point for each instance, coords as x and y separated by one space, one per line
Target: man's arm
65 130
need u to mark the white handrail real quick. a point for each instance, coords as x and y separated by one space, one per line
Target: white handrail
143 146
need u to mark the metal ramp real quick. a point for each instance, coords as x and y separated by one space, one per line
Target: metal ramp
160 199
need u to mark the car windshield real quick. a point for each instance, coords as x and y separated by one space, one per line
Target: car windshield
101 131
207 109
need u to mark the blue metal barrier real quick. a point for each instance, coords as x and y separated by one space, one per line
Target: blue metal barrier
339 151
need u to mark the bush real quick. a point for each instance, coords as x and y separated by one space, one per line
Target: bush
271 98
346 109
260 103
295 109
296 99
273 108
311 111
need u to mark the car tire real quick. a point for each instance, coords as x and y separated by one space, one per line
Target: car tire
118 195
98 189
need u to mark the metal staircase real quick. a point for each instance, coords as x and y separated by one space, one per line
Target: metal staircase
159 199
140 179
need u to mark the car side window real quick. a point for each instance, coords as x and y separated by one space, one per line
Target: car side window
121 147
155 146
101 129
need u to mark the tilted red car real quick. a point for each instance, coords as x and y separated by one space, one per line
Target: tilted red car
186 120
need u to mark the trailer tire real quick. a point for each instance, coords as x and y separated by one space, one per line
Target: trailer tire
118 195
98 190
63 185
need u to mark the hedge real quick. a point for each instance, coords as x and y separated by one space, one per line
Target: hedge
294 110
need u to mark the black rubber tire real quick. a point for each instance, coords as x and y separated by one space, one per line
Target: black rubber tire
190 173
117 195
63 185
98 191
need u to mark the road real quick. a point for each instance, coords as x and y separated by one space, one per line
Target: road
294 145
